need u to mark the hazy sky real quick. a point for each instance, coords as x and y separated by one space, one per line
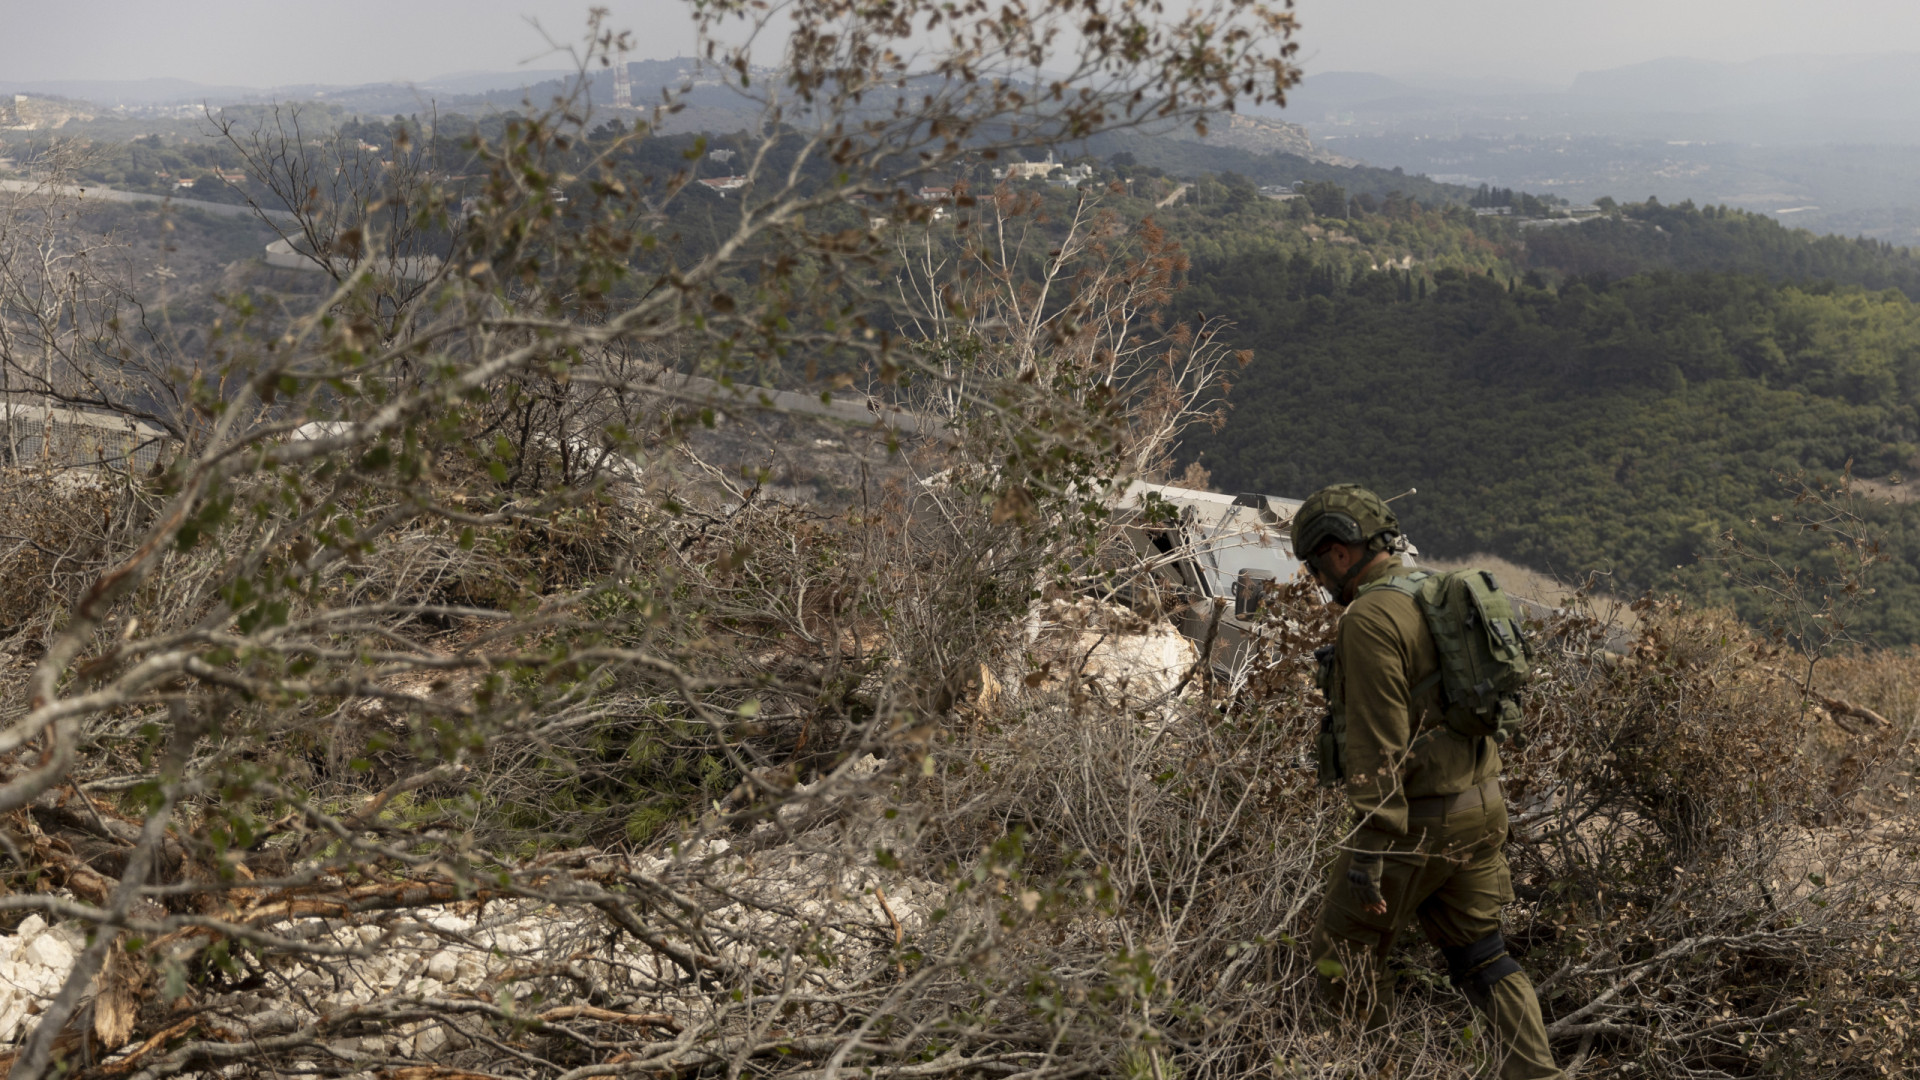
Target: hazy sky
274 42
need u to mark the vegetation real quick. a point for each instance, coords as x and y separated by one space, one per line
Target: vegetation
1647 236
1563 419
435 702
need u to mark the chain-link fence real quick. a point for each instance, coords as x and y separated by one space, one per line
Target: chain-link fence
35 434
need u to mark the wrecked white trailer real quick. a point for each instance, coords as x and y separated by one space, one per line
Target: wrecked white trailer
1214 555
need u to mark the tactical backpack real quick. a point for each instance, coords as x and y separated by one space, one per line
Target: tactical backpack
1485 658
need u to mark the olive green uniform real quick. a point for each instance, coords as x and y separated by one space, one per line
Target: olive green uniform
1429 800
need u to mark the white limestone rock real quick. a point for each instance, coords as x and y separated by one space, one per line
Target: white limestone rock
444 966
48 951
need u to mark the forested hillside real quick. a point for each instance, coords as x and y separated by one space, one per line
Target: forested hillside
1563 417
1650 236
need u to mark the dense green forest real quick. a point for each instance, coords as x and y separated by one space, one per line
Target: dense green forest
1650 236
1571 419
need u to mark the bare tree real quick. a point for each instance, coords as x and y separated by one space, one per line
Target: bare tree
383 640
73 332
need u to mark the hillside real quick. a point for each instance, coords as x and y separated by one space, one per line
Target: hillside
1649 236
408 676
1652 410
1576 421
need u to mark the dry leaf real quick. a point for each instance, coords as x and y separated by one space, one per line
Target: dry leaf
117 1007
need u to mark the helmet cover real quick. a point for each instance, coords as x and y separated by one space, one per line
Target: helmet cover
1347 513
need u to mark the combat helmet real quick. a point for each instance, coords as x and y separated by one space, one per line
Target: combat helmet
1348 513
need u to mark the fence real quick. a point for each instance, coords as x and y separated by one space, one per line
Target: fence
35 434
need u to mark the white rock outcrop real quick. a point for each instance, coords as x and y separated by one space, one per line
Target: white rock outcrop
818 898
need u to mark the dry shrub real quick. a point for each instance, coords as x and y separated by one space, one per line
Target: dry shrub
1687 906
1689 734
56 530
1873 710
1706 890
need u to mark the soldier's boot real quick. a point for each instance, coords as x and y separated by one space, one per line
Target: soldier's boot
1502 993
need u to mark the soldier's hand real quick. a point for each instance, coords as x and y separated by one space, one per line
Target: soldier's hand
1363 877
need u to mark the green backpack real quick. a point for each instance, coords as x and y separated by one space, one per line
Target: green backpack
1485 658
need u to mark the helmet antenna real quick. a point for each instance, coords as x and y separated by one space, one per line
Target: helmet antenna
1404 494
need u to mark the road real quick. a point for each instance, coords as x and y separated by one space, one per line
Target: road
106 194
856 409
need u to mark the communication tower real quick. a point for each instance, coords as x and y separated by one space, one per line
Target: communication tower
622 86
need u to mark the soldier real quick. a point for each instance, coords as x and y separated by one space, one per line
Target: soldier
1430 817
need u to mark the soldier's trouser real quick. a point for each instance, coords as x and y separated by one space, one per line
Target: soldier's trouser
1452 874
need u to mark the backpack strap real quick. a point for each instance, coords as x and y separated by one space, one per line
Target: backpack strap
1407 584
1424 685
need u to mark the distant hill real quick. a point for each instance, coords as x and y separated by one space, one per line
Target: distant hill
1799 98
1259 135
1346 91
480 82
501 88
130 91
1613 396
1188 158
1648 237
22 112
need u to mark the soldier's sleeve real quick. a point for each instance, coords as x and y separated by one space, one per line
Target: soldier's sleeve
1374 684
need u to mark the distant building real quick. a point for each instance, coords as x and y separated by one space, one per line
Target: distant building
1026 170
1281 192
934 194
1493 211
1071 176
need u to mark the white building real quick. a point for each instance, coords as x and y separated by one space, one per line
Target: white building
1026 170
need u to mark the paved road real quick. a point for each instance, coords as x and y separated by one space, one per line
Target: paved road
106 194
855 409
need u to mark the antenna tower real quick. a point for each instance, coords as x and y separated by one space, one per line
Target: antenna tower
622 86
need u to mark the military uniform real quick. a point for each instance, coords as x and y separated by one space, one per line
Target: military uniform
1428 801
